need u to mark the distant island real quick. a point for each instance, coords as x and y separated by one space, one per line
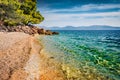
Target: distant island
93 27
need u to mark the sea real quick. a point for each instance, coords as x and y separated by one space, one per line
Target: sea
86 54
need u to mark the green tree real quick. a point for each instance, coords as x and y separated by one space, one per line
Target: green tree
13 12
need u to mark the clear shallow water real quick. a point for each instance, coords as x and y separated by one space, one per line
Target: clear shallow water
92 52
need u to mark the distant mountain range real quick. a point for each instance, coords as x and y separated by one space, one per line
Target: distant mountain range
94 27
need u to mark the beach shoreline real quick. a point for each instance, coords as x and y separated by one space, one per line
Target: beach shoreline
26 57
21 58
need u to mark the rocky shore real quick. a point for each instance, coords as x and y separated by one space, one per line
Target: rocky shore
26 29
21 57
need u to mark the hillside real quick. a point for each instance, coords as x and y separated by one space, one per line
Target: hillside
94 27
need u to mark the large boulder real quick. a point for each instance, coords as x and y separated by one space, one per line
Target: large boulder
55 33
41 31
48 32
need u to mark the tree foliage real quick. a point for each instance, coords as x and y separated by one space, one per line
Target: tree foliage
14 12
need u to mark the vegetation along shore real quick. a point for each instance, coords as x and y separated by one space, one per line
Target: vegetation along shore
20 50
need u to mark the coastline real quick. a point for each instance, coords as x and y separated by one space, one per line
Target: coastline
50 69
21 58
25 57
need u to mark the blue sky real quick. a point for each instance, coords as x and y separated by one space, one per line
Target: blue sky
79 12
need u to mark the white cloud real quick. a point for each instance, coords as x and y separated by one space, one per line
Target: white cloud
97 7
87 7
82 19
106 18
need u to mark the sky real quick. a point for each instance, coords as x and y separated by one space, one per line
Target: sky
79 12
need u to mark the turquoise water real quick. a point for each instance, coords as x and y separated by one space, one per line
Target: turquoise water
92 52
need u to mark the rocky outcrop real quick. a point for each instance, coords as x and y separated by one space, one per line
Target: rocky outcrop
26 29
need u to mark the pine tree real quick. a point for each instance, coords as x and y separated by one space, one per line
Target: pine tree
14 12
